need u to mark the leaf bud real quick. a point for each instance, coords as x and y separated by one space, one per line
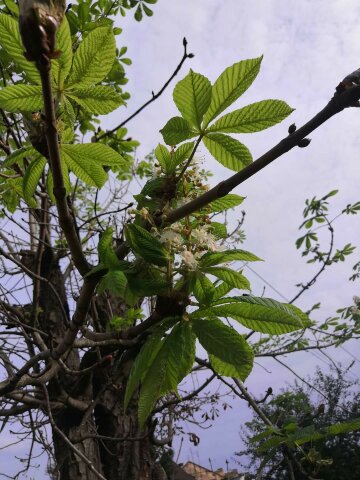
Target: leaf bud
304 142
292 128
38 23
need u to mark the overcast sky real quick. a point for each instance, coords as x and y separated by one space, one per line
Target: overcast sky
308 48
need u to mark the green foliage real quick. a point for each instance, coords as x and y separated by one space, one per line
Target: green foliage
228 151
145 245
192 96
178 268
319 425
224 343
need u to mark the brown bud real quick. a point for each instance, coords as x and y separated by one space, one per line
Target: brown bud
38 23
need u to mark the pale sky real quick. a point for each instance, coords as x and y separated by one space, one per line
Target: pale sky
308 47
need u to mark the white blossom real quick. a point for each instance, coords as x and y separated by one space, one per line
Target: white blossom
204 238
189 259
169 236
356 300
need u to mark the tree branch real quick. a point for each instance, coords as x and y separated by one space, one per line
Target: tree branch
154 95
348 98
65 218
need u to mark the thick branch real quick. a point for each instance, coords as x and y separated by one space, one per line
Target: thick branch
346 99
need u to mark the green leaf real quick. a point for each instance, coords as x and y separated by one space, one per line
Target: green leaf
94 57
253 118
142 363
232 277
60 67
263 314
181 154
106 250
88 169
218 229
177 130
215 258
229 370
221 291
145 245
86 160
192 96
32 176
21 98
99 99
228 151
147 285
232 83
172 363
204 289
10 41
114 281
18 155
225 343
66 114
224 203
162 155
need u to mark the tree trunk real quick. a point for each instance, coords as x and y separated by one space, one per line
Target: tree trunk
107 436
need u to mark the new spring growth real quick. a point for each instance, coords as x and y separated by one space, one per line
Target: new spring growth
38 23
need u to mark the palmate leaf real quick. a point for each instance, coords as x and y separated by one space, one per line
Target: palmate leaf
21 98
162 155
232 83
145 245
172 363
181 154
192 96
66 113
177 130
60 67
228 151
32 176
309 434
225 343
107 255
86 161
228 370
232 277
87 169
215 258
19 155
262 314
99 99
204 289
224 203
10 41
253 118
142 363
94 57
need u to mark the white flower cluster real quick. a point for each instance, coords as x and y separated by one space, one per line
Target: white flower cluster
204 238
189 259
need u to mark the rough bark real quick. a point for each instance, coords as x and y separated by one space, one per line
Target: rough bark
127 453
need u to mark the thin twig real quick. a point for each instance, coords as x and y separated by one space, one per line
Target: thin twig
154 95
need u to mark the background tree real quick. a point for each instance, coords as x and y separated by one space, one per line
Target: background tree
327 399
102 303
